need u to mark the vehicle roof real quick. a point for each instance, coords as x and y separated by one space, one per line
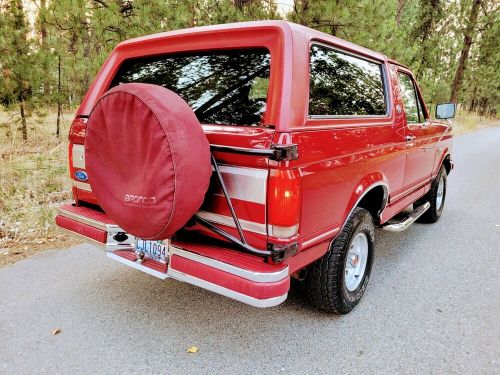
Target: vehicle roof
285 26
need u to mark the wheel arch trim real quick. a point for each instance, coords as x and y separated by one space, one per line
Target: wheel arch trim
364 187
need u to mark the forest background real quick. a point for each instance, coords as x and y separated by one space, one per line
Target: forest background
51 50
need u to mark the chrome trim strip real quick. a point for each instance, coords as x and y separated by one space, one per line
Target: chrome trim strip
261 303
405 224
363 117
320 237
228 221
138 266
247 184
403 194
259 277
78 154
367 190
82 219
244 171
85 220
82 185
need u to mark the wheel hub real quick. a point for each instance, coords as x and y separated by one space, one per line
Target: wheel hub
440 193
356 261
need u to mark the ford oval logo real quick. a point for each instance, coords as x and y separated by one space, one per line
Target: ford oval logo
81 176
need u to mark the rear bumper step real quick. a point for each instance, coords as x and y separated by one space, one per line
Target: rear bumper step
409 220
236 275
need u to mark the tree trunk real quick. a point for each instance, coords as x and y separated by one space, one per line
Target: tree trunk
241 3
399 11
59 109
464 55
45 46
24 127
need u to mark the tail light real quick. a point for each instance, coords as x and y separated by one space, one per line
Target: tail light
81 186
78 130
284 202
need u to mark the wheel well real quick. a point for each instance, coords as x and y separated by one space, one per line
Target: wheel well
374 201
447 164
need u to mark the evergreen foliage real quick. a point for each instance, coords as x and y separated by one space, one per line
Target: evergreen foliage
50 50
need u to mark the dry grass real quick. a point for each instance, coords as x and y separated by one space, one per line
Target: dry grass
33 183
466 122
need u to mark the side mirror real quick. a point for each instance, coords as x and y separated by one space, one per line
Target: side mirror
445 111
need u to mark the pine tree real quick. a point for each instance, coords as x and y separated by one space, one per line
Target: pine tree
482 78
468 36
19 62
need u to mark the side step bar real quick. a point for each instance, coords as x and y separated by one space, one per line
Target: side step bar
406 223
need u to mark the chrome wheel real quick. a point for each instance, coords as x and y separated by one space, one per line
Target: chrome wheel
440 193
356 260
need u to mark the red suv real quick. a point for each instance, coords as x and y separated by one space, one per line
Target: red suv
237 156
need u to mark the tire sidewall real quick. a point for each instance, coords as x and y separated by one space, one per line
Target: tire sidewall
439 211
362 224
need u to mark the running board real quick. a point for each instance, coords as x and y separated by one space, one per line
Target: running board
406 223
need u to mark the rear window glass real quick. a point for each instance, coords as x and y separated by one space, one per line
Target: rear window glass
223 87
344 85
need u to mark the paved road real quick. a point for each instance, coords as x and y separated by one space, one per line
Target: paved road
432 306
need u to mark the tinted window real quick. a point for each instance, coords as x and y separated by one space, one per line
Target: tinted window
409 98
344 85
228 87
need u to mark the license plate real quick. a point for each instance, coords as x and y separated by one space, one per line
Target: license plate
155 250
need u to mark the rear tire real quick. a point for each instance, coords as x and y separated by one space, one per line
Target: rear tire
436 197
336 282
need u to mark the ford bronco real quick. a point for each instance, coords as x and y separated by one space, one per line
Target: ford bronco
237 156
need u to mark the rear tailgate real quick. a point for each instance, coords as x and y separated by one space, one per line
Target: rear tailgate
245 177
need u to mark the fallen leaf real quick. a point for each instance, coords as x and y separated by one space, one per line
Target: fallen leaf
192 349
56 331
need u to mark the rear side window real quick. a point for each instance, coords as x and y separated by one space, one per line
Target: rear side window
344 85
223 87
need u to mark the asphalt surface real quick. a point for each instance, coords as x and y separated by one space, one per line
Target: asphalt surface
432 306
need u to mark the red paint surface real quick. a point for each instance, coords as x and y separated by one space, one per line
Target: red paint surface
339 158
227 255
81 229
230 281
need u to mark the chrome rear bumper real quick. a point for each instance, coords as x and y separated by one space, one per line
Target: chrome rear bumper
242 279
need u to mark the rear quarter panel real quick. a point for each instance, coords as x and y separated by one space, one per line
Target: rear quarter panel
341 158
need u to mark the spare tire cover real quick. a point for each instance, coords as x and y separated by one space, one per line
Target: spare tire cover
147 158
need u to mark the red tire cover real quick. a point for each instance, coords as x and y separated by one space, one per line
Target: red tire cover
147 159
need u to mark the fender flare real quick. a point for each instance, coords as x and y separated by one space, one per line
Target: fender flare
364 186
446 153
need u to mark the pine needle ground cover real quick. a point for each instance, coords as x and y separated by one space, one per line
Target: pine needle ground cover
33 183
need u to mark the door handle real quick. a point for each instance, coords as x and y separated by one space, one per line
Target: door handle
410 138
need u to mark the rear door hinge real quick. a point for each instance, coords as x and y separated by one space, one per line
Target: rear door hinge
284 152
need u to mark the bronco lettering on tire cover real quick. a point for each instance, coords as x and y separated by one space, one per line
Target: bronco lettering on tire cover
147 159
